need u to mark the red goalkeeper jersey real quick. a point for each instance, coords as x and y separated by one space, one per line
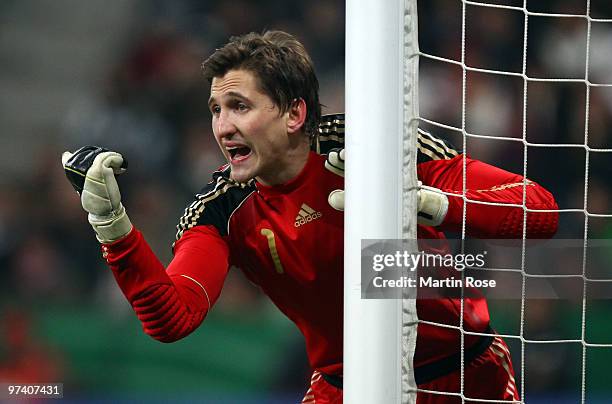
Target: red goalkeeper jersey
288 240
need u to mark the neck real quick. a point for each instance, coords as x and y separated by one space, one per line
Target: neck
293 163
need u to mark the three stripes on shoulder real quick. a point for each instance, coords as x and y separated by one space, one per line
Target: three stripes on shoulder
430 147
331 135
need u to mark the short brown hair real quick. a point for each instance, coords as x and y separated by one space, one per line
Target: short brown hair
282 66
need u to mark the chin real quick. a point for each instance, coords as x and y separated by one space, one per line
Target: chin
245 170
241 175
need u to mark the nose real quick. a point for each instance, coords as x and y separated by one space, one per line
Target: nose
223 125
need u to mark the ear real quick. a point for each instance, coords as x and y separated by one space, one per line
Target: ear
296 115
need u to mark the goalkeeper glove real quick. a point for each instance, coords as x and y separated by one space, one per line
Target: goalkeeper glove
432 205
335 164
91 171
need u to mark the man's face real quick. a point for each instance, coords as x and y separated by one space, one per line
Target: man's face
248 127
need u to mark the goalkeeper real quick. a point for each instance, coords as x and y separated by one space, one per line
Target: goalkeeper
276 212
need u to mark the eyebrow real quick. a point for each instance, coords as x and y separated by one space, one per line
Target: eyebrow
236 94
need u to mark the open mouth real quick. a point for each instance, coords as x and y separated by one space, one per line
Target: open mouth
239 153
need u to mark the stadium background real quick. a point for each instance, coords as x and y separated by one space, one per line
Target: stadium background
126 75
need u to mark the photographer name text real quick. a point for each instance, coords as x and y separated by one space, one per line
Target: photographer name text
432 282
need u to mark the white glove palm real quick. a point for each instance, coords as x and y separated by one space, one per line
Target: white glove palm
335 164
433 206
101 197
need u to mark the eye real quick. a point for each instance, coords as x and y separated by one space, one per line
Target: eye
215 109
242 107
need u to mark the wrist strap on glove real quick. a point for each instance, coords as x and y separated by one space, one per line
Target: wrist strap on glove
433 206
111 228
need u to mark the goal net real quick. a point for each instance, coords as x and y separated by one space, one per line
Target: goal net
526 87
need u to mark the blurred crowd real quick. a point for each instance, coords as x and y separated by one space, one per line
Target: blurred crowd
152 107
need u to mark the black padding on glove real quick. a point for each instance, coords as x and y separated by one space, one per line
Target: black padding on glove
81 160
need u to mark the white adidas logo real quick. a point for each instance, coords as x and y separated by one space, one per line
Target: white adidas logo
306 215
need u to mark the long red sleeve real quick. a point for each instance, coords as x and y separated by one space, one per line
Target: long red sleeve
487 183
170 303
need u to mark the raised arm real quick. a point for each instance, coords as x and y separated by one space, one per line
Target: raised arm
169 303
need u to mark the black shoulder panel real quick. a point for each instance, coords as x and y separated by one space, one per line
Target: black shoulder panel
216 203
331 134
430 147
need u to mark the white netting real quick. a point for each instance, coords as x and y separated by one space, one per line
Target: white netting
563 45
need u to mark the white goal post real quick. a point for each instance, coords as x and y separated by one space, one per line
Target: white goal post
381 119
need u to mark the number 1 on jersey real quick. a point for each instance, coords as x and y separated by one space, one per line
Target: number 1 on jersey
269 234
